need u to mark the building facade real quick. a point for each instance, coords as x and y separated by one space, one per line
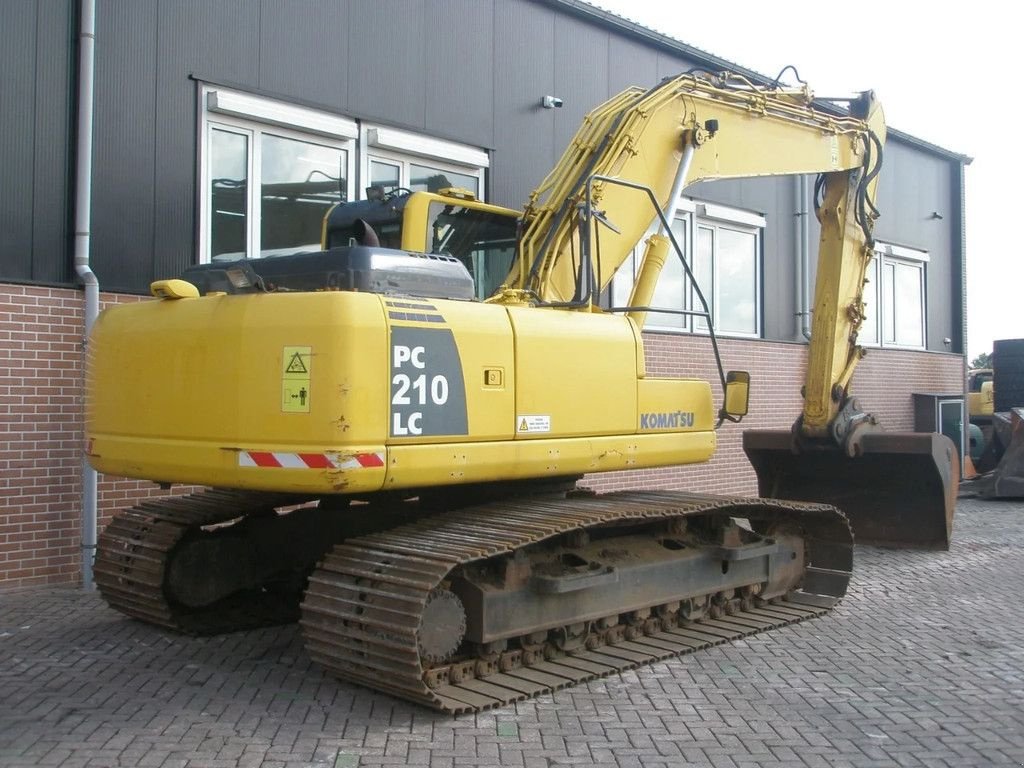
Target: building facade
228 128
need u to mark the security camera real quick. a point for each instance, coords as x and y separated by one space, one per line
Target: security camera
551 102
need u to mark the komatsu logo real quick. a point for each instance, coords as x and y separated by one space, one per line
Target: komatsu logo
669 420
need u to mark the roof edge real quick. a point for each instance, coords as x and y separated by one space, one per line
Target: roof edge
700 56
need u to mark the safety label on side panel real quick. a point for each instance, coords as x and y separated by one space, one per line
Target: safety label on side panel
296 364
428 394
533 424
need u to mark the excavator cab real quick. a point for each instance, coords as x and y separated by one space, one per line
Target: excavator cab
449 221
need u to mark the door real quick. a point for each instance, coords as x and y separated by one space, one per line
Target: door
951 422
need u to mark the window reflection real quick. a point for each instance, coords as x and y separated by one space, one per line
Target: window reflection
869 329
669 291
483 241
300 181
908 304
737 281
386 175
229 175
423 178
703 272
888 307
894 303
725 262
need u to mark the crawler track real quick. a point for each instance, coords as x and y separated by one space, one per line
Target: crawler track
364 607
135 549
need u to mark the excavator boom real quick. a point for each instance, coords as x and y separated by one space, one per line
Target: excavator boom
697 128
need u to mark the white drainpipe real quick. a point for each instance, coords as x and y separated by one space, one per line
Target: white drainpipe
83 204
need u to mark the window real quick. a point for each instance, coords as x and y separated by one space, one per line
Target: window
399 159
726 262
269 172
485 243
723 248
894 298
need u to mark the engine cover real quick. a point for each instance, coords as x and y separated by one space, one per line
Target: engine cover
368 269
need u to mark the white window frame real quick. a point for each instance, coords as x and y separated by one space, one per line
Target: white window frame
245 113
900 257
404 148
695 214
719 217
656 320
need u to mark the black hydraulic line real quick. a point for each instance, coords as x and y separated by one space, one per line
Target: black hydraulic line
818 198
775 83
679 252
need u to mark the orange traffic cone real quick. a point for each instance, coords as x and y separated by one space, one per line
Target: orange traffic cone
969 471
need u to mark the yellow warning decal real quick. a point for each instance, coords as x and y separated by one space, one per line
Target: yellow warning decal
296 363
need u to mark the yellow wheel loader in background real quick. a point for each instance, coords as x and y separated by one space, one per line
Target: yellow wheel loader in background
980 398
410 409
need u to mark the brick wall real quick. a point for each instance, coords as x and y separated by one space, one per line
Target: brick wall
41 422
884 383
41 437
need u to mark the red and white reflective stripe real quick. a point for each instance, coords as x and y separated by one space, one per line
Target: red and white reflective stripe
309 460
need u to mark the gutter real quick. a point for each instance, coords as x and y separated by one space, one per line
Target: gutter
83 205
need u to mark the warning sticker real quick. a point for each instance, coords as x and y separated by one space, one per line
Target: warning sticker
295 364
295 367
533 424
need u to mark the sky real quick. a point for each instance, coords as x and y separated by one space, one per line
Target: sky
944 72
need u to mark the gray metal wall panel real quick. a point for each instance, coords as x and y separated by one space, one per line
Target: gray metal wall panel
124 149
200 37
670 66
581 74
912 187
304 50
772 197
629 64
458 79
524 47
958 257
387 60
194 37
51 191
18 35
503 55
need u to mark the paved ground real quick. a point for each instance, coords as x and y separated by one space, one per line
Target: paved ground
921 665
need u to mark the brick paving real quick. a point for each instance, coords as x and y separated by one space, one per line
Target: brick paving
921 665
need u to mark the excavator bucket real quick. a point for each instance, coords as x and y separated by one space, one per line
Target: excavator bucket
899 492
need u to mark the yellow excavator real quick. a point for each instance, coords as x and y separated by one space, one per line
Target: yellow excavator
409 409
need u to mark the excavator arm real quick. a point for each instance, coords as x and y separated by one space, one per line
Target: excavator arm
585 218
691 129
